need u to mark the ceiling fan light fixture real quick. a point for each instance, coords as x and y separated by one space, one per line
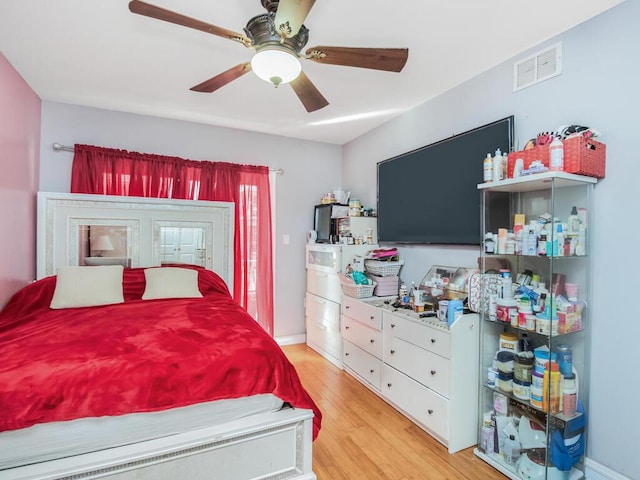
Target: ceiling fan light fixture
276 65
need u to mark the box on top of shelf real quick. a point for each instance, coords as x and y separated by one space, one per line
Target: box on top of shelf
582 156
528 157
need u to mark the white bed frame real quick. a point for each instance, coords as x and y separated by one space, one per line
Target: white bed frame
271 446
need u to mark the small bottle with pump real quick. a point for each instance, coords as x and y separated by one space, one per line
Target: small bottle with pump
497 166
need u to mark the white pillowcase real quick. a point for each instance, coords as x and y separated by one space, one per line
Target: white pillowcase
87 286
171 282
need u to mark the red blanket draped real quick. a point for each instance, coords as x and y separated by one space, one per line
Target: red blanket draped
139 356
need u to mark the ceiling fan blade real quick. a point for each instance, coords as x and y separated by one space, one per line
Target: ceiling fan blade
222 79
148 10
389 59
308 94
290 16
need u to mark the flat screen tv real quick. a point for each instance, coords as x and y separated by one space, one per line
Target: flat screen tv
430 195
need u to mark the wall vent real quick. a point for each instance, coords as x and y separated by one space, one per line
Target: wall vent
538 67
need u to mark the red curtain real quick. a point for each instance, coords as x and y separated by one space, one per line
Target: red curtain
109 171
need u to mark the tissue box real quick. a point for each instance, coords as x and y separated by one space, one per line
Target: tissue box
570 320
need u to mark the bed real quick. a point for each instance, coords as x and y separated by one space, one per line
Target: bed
152 387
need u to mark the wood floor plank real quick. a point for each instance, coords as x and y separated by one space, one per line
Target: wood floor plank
364 438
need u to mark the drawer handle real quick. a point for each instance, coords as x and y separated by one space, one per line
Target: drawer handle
372 370
429 411
392 352
433 372
372 317
388 385
393 325
346 354
433 340
372 340
346 327
347 307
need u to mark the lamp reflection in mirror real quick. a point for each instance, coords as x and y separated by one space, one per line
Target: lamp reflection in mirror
276 65
101 244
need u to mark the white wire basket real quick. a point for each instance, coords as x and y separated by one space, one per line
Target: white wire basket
354 290
383 269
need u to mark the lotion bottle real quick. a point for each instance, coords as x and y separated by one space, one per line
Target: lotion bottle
556 155
497 166
487 168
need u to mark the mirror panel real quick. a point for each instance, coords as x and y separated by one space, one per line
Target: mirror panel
78 229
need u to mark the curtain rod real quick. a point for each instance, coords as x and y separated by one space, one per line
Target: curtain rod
66 148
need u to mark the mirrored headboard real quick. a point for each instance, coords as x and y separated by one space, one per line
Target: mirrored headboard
78 229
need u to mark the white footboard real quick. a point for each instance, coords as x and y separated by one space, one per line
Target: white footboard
274 446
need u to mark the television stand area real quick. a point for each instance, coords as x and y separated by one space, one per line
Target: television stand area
423 368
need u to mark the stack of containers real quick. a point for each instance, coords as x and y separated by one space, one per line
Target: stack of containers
385 274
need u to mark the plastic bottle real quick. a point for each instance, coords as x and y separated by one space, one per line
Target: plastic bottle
555 390
412 294
551 388
497 166
574 221
511 450
558 242
402 294
581 246
556 155
569 395
487 168
532 242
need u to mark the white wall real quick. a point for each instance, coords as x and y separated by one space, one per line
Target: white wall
599 88
310 168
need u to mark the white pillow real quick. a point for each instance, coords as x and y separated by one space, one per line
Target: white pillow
88 286
171 282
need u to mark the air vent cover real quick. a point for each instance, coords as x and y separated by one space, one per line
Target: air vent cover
540 66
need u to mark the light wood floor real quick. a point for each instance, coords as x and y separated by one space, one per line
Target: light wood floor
364 438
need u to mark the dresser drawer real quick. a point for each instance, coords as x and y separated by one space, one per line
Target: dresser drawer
421 335
323 311
367 338
421 365
362 312
422 404
362 363
326 285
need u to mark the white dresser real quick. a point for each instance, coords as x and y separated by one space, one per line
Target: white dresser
323 297
362 341
425 369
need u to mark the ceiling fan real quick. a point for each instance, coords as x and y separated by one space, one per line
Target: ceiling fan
278 36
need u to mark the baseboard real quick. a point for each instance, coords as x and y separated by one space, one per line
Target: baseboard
291 339
597 471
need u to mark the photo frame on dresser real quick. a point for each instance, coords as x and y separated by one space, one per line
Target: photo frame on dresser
79 229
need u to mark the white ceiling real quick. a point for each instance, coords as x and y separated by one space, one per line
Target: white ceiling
96 53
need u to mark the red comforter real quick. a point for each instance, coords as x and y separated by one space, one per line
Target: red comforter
139 356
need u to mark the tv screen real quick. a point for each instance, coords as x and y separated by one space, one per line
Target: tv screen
430 195
322 223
